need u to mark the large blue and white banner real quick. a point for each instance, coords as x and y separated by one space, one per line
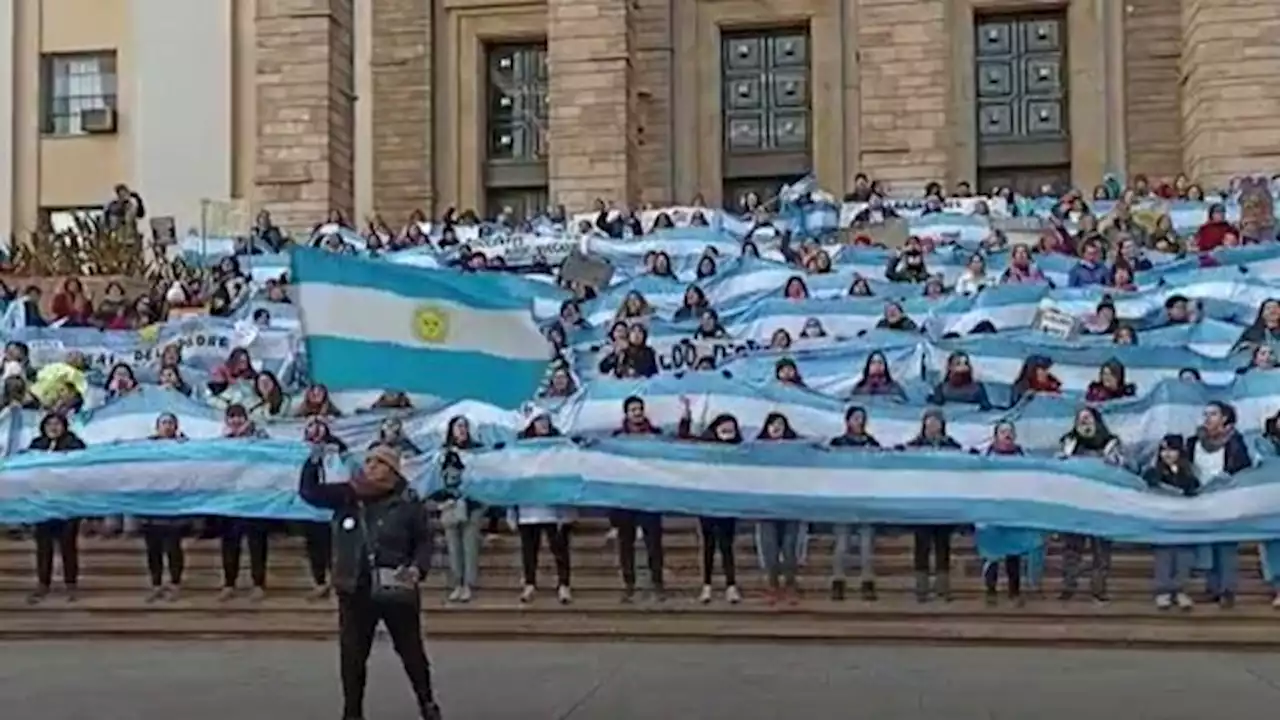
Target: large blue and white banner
779 480
203 343
466 344
798 480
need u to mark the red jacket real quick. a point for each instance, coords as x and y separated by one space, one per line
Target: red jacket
1211 235
78 312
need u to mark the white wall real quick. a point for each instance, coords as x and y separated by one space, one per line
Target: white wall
8 66
182 117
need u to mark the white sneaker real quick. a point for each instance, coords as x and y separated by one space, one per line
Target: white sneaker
455 595
1184 601
526 596
564 595
1275 601
1164 601
705 596
464 594
732 595
611 536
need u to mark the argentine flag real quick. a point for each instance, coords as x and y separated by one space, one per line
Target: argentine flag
374 325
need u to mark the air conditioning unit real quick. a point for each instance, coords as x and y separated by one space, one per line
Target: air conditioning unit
99 121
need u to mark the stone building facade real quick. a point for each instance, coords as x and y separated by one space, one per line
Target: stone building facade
491 103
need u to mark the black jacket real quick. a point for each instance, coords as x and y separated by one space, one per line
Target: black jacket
1182 478
64 443
1235 458
848 441
398 527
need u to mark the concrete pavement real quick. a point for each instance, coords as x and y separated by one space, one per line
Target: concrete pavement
271 680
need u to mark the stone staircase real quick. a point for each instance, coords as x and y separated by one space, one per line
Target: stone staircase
113 588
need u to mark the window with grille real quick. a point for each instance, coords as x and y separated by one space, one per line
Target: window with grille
72 84
517 102
66 219
516 126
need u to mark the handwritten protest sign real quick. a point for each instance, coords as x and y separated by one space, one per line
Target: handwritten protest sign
204 342
521 248
681 354
1057 323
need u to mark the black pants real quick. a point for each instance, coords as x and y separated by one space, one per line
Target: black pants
718 534
358 618
933 540
557 540
626 521
233 531
65 534
164 542
1013 573
1073 547
319 541
493 517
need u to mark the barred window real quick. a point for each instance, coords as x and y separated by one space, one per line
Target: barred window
515 165
72 84
517 102
64 219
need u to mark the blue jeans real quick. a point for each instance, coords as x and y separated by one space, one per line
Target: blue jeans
779 543
1224 573
866 551
463 542
1173 568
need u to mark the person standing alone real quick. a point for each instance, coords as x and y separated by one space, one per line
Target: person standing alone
382 546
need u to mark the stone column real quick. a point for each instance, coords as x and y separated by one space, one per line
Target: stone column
1231 89
304 165
592 123
402 109
904 130
1153 110
652 58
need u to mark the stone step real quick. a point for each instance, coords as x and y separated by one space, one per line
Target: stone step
508 582
1118 625
113 587
289 562
673 541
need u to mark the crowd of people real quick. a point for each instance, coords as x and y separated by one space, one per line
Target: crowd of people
1109 252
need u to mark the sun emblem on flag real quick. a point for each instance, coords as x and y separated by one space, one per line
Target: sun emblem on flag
431 324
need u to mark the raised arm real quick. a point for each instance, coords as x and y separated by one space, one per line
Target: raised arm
315 492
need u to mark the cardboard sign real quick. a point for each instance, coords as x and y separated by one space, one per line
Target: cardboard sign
226 218
592 271
892 233
1024 230
162 230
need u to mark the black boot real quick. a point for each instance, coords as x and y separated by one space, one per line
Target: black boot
869 590
837 590
432 712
